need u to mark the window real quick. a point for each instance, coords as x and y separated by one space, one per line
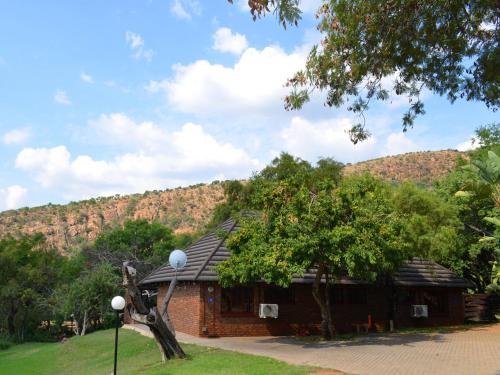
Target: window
348 295
280 296
356 296
237 300
437 302
406 297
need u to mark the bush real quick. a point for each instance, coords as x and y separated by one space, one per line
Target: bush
5 343
44 335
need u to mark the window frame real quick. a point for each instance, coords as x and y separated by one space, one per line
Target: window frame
238 289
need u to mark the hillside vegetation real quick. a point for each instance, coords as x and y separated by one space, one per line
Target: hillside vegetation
420 167
185 210
189 209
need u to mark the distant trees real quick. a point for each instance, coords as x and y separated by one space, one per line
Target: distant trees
40 289
30 272
86 300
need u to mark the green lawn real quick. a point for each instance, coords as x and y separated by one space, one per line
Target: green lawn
93 355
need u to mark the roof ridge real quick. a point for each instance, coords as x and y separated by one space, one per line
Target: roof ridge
166 264
204 264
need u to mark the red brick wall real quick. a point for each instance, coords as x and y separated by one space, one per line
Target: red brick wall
197 311
293 319
454 315
184 308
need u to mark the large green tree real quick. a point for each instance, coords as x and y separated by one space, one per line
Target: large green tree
86 300
485 179
137 240
310 219
473 189
431 225
450 48
30 271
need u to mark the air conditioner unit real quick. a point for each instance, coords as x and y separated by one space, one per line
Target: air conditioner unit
268 310
419 311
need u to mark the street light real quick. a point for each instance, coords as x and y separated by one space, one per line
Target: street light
177 259
118 304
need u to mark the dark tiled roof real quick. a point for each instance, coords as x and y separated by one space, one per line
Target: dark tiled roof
421 272
201 257
210 250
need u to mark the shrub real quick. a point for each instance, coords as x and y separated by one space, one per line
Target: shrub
5 343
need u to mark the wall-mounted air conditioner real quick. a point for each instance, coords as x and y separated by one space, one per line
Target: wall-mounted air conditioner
419 311
268 310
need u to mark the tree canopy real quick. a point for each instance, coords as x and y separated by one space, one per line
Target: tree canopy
30 271
311 219
473 189
139 239
450 48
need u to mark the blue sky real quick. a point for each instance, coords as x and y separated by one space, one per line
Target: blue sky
122 96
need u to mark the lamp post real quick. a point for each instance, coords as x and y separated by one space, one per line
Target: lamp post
118 304
177 259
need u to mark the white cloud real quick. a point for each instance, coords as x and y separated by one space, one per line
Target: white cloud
468 145
227 41
61 97
134 40
116 128
325 138
16 136
310 6
252 85
159 159
185 9
156 86
86 78
398 143
136 44
110 83
12 197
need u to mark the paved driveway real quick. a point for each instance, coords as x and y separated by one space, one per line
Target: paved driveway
472 352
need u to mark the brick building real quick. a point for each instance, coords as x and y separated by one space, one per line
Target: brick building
201 307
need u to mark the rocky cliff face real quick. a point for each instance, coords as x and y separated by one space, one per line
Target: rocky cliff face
183 209
187 209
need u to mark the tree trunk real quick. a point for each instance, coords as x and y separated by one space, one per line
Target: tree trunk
10 321
84 325
166 340
323 301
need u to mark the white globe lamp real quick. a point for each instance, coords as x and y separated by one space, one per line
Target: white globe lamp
118 303
177 259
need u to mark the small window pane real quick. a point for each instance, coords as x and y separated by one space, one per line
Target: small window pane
237 300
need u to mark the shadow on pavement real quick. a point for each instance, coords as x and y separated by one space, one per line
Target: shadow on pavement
372 339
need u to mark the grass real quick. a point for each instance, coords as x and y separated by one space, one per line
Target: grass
93 355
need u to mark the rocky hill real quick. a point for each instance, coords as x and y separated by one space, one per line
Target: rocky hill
187 209
183 209
420 167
